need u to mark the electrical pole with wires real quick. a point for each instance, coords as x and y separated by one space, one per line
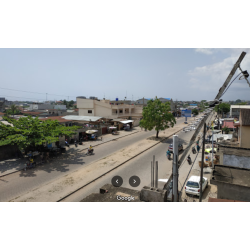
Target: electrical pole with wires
202 162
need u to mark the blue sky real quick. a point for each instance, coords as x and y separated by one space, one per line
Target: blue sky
182 74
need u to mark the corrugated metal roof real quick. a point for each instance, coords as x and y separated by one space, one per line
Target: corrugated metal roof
82 118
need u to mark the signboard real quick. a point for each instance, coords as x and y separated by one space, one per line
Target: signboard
186 113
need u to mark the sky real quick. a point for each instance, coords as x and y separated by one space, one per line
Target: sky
180 74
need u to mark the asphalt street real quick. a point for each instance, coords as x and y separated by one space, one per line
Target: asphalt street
19 183
139 166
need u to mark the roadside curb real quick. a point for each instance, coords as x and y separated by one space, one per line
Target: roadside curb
165 138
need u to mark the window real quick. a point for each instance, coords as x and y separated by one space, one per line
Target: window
192 184
89 111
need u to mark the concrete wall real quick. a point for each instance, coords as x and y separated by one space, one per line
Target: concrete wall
231 191
245 139
236 161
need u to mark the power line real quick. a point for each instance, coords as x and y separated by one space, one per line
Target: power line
35 92
230 84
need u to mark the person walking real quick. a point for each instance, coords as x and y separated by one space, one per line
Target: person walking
198 148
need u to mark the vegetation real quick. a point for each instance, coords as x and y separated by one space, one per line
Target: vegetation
242 103
13 110
156 115
195 111
226 130
69 104
28 132
222 107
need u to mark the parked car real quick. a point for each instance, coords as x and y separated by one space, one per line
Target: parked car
193 185
170 147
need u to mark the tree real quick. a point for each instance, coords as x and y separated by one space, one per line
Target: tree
195 111
13 110
222 107
28 132
238 101
242 103
226 130
157 115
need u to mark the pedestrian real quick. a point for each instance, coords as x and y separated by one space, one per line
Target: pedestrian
198 148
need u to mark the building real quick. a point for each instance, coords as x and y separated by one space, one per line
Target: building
232 183
143 101
2 104
228 122
243 128
42 106
235 110
104 108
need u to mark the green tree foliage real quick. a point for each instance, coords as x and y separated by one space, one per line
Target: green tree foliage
222 107
28 132
242 103
69 104
238 101
156 116
13 110
195 111
226 130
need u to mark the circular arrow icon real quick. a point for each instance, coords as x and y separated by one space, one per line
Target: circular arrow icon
134 181
117 181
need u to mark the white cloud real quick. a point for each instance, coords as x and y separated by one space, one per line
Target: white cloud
210 78
205 51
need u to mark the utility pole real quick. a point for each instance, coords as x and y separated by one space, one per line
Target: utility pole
202 162
175 168
231 74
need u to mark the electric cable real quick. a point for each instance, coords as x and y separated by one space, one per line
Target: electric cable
230 85
35 92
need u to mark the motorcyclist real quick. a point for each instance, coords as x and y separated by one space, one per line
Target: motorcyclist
168 153
90 149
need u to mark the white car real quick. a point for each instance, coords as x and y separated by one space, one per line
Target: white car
193 185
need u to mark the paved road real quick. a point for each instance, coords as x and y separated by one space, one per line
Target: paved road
141 167
19 183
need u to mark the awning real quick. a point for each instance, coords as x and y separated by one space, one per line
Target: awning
128 121
91 131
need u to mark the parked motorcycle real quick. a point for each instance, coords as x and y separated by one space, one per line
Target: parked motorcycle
67 144
76 144
189 160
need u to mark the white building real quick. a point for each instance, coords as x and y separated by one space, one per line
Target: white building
235 110
104 108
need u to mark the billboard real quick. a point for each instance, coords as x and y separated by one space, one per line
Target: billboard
186 113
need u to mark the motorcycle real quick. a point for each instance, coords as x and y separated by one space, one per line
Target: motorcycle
169 156
75 144
193 150
90 151
189 160
67 144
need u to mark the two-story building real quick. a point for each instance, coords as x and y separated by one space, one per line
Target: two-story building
108 109
243 128
235 110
